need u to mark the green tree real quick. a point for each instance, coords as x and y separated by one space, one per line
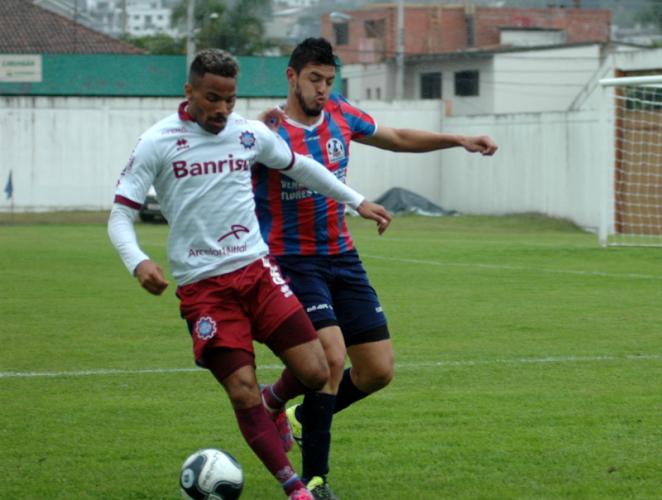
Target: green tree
157 44
651 13
238 29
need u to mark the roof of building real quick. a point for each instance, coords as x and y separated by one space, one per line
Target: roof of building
488 52
28 29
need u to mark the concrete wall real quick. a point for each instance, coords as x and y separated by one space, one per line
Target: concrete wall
540 80
551 163
66 153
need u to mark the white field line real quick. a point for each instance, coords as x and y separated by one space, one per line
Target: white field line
516 268
399 366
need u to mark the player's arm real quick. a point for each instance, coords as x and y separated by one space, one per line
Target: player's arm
421 141
315 176
123 236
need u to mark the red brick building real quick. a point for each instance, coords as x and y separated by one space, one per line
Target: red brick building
369 35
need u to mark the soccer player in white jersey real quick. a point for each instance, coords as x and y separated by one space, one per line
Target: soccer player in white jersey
231 293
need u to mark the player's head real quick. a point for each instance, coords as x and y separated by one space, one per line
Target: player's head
310 74
211 89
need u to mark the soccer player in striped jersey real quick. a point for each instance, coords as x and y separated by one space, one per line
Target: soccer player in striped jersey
307 234
231 293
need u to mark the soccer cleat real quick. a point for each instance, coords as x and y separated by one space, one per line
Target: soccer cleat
301 494
280 420
320 489
295 425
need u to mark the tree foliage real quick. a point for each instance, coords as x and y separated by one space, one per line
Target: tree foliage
157 44
237 28
652 13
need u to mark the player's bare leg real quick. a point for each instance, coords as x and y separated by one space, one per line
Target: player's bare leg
334 350
372 370
372 365
312 425
254 422
308 363
315 415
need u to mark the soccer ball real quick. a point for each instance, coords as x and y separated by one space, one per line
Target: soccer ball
211 474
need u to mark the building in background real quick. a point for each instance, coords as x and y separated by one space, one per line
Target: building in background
368 36
478 60
117 17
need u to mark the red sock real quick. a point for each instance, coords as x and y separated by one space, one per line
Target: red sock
261 435
285 388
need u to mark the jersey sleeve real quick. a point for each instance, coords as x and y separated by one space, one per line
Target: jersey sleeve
138 175
361 123
273 151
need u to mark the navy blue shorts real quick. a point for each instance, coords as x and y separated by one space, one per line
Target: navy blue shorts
334 290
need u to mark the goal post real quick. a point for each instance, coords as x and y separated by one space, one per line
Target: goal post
631 156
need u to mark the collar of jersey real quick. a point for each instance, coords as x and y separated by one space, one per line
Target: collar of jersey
183 114
312 127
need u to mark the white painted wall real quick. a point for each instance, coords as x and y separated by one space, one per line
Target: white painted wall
541 80
548 163
66 153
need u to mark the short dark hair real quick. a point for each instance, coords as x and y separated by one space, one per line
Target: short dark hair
312 50
215 61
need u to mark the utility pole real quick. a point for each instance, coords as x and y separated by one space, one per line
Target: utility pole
190 40
125 19
400 51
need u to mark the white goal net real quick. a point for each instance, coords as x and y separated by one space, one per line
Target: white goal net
632 208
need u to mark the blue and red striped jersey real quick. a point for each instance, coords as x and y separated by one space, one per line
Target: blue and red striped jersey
293 219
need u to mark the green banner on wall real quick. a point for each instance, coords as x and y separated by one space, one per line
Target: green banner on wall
127 75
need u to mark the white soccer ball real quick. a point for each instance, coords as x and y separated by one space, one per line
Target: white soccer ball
211 474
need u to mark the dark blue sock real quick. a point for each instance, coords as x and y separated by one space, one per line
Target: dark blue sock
316 415
348 393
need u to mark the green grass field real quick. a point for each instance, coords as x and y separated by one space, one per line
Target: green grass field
529 366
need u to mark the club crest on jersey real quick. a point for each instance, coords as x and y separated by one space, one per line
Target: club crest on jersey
247 139
335 149
205 328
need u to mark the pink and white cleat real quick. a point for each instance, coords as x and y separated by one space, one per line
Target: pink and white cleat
301 494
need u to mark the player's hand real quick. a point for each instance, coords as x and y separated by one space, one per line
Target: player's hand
272 118
374 211
151 278
480 144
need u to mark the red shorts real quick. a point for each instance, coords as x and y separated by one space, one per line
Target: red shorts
234 309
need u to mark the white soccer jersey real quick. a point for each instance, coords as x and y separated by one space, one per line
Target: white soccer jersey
203 183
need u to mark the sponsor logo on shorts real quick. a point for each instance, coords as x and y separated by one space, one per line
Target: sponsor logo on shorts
277 278
318 307
205 328
379 309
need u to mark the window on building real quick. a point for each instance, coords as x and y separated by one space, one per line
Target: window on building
431 85
374 28
342 33
368 93
344 87
467 83
378 93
